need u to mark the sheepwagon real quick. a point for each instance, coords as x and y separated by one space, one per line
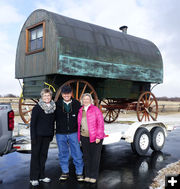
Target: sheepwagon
116 68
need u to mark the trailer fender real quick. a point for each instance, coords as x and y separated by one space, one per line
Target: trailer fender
129 134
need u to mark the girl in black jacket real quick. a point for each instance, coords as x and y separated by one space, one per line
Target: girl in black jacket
42 132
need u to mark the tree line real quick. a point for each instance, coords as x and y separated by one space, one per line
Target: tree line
164 98
8 96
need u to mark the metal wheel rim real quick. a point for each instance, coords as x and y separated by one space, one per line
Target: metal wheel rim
160 139
144 142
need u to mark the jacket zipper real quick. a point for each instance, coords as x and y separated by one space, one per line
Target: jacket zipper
68 121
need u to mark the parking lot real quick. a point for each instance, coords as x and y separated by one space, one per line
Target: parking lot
119 167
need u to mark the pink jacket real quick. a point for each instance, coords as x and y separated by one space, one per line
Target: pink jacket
95 122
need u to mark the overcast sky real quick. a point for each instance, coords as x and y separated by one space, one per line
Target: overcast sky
155 20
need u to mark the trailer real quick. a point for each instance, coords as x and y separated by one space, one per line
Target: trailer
118 69
140 135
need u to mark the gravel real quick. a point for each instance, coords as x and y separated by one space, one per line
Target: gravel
171 169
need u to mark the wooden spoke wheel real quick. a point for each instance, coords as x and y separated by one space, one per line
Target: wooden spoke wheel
79 87
110 114
147 107
25 108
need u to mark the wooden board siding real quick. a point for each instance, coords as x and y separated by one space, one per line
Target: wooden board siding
33 86
41 63
113 89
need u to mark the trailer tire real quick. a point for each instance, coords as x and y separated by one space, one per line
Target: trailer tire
157 138
141 142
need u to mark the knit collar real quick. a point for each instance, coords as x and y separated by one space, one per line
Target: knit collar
48 109
67 102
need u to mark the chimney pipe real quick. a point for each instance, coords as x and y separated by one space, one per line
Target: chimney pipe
123 29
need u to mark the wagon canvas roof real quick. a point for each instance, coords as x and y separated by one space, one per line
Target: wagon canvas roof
73 47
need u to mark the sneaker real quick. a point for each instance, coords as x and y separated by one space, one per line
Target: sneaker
86 179
80 178
34 182
92 180
64 176
45 180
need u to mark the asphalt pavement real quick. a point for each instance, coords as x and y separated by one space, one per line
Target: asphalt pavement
119 167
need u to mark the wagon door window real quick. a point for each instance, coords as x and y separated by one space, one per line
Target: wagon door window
35 38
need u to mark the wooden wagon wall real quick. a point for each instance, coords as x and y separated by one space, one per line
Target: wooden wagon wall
41 63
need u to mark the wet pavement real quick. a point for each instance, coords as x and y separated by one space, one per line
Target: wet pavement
119 168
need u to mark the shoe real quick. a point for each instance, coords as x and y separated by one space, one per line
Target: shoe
92 180
64 176
86 179
34 182
45 180
80 178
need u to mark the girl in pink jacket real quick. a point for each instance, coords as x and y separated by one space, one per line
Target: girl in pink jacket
91 134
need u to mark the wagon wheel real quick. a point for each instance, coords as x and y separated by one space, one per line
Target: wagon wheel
110 114
25 108
79 87
147 107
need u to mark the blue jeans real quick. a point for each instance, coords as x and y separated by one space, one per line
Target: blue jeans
68 145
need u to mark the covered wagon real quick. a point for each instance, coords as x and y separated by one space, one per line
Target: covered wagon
115 67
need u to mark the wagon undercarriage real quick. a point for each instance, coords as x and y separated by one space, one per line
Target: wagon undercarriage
146 106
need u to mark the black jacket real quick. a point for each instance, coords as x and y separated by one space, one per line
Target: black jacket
67 122
42 124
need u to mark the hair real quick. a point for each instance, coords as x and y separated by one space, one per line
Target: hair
89 95
45 90
66 89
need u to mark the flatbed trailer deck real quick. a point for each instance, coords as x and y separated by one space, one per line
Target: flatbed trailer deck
141 135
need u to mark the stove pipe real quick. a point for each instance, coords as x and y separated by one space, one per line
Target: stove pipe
123 29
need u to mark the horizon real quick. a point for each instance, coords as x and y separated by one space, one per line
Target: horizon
155 21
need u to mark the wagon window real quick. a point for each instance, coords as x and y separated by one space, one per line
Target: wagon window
35 38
